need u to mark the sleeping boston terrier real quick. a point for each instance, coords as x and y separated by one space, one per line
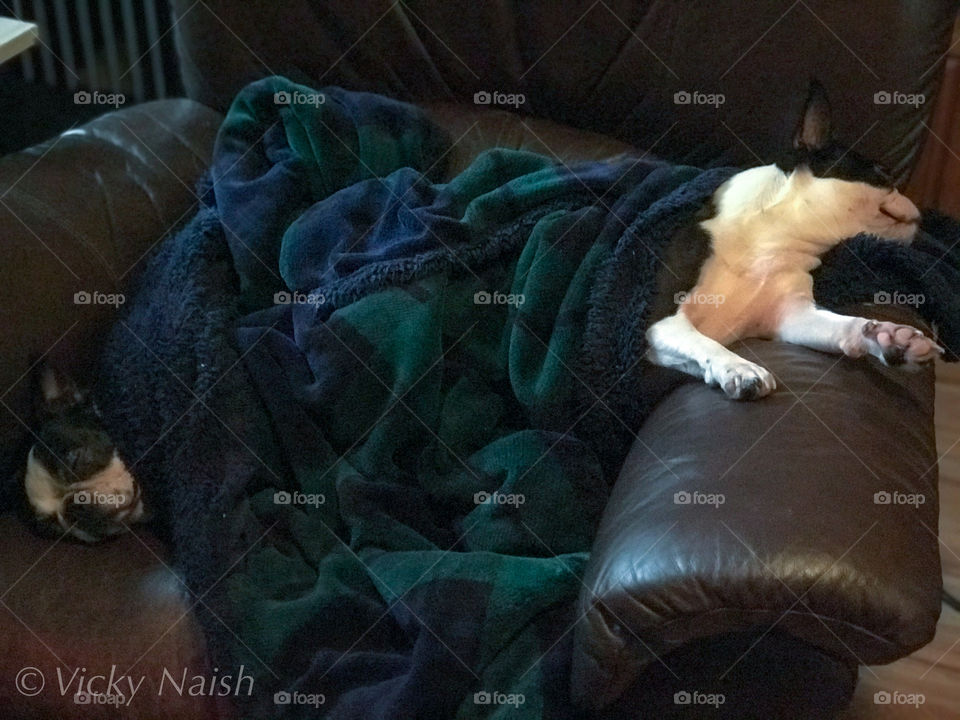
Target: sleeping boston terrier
769 227
76 484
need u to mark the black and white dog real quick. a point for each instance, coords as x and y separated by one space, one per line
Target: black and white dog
75 482
769 228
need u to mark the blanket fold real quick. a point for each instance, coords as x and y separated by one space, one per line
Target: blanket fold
378 413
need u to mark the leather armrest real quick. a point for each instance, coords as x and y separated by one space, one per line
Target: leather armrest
77 214
69 612
812 512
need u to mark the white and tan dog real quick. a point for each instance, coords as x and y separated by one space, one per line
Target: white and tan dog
770 227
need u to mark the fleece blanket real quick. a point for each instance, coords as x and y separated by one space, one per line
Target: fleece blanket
377 413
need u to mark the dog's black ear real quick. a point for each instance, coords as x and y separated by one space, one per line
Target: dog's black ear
58 389
814 130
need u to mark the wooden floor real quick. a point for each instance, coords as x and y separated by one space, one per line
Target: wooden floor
934 670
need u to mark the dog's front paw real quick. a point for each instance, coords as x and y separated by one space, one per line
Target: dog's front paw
742 380
898 344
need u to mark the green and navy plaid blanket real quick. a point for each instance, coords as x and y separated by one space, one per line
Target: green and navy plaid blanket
378 413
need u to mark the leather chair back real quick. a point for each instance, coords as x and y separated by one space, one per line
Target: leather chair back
648 73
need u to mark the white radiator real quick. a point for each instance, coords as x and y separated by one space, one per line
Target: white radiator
117 46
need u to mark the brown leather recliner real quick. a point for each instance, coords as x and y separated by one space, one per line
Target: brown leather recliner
772 598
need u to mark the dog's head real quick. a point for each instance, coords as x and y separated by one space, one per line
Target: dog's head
840 189
75 481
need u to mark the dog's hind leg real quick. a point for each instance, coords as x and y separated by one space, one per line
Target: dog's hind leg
675 343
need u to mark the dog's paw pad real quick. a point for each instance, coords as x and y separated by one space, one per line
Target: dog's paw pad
899 344
744 380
